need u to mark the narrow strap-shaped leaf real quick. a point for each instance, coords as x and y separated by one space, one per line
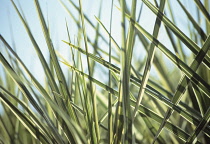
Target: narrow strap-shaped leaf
73 126
88 21
203 9
37 84
184 81
32 116
151 85
203 123
190 118
152 128
156 62
5 127
85 18
144 41
180 64
200 99
85 102
189 43
77 136
110 115
145 118
92 95
149 62
126 59
25 91
174 129
45 66
106 113
178 44
194 77
180 133
41 57
73 58
59 72
194 66
29 125
112 67
206 5
195 24
33 79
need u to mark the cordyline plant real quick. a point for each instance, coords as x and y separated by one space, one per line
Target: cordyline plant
128 105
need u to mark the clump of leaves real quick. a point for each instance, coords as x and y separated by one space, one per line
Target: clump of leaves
108 91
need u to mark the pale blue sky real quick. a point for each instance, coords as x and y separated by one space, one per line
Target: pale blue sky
57 15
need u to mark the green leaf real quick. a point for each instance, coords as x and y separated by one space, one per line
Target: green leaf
184 81
187 41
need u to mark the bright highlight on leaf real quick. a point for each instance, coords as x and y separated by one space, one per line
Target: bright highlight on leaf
136 72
